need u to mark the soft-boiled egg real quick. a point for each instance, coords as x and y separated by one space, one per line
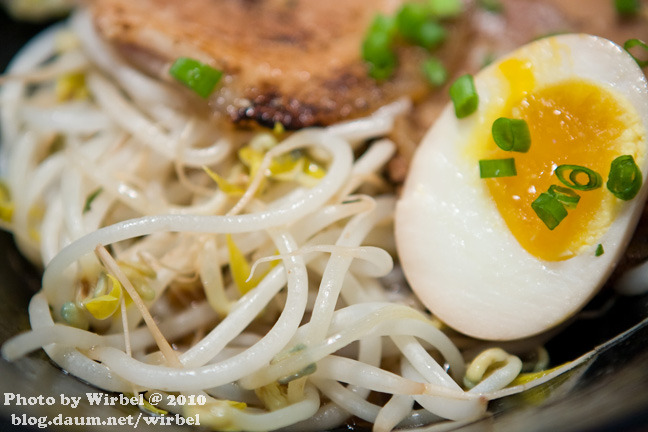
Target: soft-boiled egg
504 255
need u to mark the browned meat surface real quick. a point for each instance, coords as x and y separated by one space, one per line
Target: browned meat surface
291 61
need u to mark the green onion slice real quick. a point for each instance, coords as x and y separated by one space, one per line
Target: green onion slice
632 43
627 7
489 168
417 24
199 77
378 53
464 96
430 35
511 134
435 72
566 196
445 8
549 209
377 48
599 250
409 19
594 179
625 178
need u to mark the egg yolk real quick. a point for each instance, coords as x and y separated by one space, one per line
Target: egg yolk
572 122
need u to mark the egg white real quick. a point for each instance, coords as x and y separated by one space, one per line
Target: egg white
457 252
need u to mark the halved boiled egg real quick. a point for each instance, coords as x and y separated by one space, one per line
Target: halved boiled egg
511 251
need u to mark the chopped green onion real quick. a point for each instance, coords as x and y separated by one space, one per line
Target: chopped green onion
497 168
631 43
627 7
594 179
416 24
377 48
511 134
599 250
409 19
435 72
445 8
88 202
566 196
383 24
199 77
625 178
549 209
464 96
430 35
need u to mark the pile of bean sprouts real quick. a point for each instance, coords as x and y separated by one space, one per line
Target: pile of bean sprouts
115 181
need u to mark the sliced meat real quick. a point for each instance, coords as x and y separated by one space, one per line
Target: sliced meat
291 61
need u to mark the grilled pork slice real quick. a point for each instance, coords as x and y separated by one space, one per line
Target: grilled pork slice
297 62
